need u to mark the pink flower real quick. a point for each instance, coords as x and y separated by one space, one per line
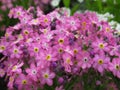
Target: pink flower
115 50
46 77
114 67
32 72
67 58
44 20
59 50
15 52
9 64
23 82
18 12
76 49
16 68
34 22
106 29
100 63
26 32
71 23
2 47
25 18
49 55
84 60
100 46
34 49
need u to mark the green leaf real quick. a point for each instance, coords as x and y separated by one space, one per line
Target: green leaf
75 8
66 3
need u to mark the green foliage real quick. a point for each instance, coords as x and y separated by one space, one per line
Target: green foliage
75 8
66 3
103 7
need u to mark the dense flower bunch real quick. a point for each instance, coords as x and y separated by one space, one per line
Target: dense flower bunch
6 5
40 47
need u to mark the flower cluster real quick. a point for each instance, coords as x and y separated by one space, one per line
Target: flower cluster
40 47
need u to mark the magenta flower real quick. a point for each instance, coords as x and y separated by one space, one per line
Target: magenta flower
114 67
71 23
26 19
32 72
2 47
18 12
46 77
115 50
34 22
44 20
100 45
84 60
49 55
34 49
23 82
9 64
15 52
106 29
67 58
101 63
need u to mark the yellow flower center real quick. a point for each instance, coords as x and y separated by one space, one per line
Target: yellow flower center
45 20
68 60
107 29
6 34
28 40
75 62
61 41
36 49
46 75
84 24
48 57
117 67
18 13
45 31
11 79
100 61
20 36
2 47
15 51
35 21
75 51
26 32
24 81
60 50
14 68
101 45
